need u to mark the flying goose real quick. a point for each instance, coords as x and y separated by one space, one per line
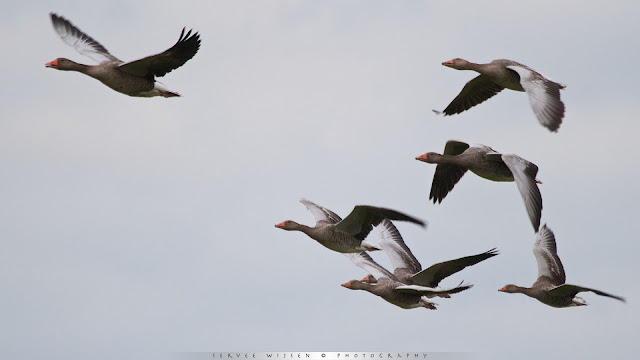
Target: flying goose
550 287
135 78
458 157
408 286
348 235
544 93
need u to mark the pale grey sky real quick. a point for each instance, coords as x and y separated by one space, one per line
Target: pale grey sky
134 227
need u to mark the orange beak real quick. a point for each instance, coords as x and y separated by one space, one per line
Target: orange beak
422 157
347 284
504 288
280 226
52 64
448 63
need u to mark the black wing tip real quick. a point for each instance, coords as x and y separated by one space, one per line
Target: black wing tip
463 286
422 223
416 221
536 227
411 220
602 293
436 199
553 127
188 36
492 252
404 217
188 44
182 51
55 18
449 112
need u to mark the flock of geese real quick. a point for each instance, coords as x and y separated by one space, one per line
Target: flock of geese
408 286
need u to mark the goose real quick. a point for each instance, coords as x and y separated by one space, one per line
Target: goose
135 78
397 294
408 286
458 157
550 287
544 93
348 235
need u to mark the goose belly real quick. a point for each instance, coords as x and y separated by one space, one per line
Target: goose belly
405 301
127 84
494 172
132 87
337 241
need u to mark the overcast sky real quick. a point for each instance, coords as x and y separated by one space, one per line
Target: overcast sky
135 227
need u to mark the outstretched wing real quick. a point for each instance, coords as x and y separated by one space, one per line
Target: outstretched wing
544 96
80 41
429 291
320 213
363 218
476 91
546 253
365 261
435 273
524 174
398 252
160 64
572 290
447 176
